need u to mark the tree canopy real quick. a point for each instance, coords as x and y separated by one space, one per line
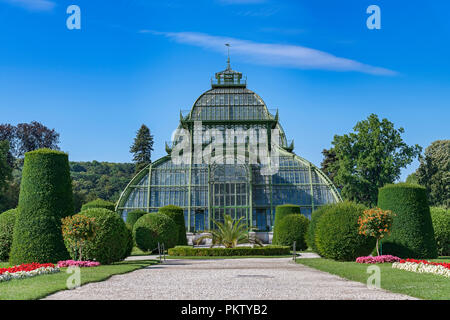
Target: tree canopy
5 169
27 137
434 172
369 158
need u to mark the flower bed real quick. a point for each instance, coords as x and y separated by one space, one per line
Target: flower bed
73 263
378 259
423 266
27 270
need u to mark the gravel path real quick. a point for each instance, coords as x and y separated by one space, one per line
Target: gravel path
224 279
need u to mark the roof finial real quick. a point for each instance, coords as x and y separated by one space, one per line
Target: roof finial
228 60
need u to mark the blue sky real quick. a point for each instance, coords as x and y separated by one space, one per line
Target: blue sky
141 61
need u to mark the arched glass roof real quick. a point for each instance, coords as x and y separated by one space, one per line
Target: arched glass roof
208 191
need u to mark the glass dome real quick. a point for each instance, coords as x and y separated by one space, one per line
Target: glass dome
207 191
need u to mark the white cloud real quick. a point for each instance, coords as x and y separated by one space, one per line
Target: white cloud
292 56
33 5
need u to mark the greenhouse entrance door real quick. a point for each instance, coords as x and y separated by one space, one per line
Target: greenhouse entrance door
229 193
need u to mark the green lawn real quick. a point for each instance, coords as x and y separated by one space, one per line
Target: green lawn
40 286
424 286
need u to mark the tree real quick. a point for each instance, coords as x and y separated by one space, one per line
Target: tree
328 165
5 168
434 172
35 135
412 179
369 158
142 148
376 223
8 133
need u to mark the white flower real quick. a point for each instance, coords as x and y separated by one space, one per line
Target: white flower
422 268
26 274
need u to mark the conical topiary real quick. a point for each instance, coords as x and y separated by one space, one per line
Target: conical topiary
412 233
45 198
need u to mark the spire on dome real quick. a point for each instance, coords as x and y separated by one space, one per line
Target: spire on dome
228 77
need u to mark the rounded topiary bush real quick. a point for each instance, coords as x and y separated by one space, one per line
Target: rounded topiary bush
177 214
441 225
153 228
310 236
281 212
293 227
412 234
45 198
99 203
7 220
134 215
111 241
337 233
130 241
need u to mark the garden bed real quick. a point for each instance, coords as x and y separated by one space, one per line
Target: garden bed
43 285
420 285
224 252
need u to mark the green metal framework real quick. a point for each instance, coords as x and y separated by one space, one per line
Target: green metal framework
207 191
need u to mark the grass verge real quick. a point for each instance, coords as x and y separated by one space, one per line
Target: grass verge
41 286
419 285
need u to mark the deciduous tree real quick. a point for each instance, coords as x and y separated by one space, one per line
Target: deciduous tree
370 157
434 172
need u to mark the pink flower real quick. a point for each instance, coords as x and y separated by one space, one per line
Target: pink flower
81 264
378 259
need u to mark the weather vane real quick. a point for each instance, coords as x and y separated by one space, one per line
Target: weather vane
228 60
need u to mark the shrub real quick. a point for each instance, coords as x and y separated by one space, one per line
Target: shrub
130 242
7 220
134 215
177 214
153 228
441 225
111 240
292 228
280 212
412 233
337 235
99 203
45 198
77 231
226 252
310 236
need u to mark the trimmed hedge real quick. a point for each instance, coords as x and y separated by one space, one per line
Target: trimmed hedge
7 220
134 215
45 198
111 242
130 241
293 227
441 225
188 251
153 228
281 212
99 203
412 233
337 235
177 214
311 234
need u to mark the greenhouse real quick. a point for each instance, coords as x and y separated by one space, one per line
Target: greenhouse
243 179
